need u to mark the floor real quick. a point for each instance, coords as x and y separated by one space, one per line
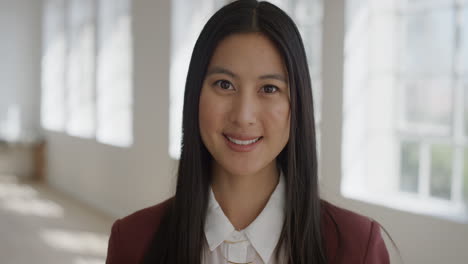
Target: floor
41 225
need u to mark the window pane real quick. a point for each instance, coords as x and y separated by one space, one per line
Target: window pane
80 71
307 15
428 102
463 58
409 179
312 45
428 42
114 74
441 171
53 66
465 103
283 4
465 177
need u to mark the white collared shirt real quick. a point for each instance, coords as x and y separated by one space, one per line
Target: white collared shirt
254 244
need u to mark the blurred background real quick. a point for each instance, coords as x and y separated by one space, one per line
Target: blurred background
91 94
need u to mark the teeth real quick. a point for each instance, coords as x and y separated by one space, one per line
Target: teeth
243 142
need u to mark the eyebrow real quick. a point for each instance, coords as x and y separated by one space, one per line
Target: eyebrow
217 70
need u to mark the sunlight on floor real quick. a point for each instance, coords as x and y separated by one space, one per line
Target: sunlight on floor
23 199
9 187
55 228
76 241
81 260
34 206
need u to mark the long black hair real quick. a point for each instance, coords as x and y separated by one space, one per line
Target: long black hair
180 236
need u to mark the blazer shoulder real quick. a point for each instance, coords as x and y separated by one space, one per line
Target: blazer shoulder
352 237
345 219
131 235
148 216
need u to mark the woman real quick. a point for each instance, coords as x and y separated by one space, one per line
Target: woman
247 187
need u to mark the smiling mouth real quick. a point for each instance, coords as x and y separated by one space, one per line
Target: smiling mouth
243 142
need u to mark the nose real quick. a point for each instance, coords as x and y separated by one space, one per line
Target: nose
244 110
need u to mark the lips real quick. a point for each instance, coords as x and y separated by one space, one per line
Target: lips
242 143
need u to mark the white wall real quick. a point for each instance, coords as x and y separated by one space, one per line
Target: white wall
119 180
20 46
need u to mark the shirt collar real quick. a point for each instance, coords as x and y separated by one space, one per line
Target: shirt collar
263 233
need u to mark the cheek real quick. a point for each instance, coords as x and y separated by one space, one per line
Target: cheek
278 129
204 116
280 120
208 115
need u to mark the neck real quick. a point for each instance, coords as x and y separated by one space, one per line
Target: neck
243 197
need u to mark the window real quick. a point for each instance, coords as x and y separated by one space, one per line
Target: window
188 19
87 69
53 66
114 82
404 139
80 72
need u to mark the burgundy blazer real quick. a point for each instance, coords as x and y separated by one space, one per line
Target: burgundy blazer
355 237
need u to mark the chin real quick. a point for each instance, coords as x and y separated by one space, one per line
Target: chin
242 168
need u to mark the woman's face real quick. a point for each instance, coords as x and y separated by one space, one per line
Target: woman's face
244 110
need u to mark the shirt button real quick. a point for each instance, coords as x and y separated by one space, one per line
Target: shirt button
237 235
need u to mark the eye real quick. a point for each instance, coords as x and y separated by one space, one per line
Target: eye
223 84
270 89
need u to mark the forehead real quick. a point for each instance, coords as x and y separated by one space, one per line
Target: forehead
248 53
